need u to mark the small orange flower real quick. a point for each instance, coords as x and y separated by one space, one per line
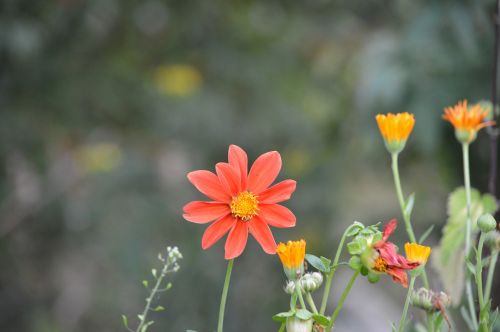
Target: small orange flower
417 253
395 129
292 257
467 121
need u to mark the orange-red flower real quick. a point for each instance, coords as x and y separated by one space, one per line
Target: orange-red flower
467 121
389 261
395 129
240 202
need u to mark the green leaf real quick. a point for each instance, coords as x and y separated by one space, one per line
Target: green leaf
145 283
449 255
326 261
409 204
141 317
303 314
153 272
321 320
426 234
145 326
282 316
355 263
471 268
159 308
125 321
317 263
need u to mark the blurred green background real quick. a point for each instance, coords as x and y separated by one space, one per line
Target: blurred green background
107 104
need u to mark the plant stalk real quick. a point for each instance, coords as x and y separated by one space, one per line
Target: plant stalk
402 322
342 299
223 299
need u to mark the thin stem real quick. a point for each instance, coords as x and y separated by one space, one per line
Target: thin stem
299 294
282 327
468 230
151 296
479 271
342 299
491 272
293 301
310 301
329 277
402 204
224 295
402 322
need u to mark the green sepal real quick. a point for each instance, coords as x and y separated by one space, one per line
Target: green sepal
321 319
282 316
303 314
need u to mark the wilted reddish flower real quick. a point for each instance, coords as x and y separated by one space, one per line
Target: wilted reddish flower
389 261
241 202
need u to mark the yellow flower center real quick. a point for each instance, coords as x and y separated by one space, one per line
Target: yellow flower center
245 205
380 265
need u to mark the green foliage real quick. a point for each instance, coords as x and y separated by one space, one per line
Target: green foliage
321 264
449 257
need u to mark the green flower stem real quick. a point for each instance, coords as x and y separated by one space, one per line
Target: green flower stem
224 295
468 231
329 276
293 301
402 204
402 322
479 271
282 327
311 302
299 294
491 272
342 299
151 296
465 154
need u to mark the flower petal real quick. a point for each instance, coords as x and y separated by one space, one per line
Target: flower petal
399 276
264 171
203 212
261 232
229 178
278 193
217 230
238 158
236 240
208 183
277 215
389 229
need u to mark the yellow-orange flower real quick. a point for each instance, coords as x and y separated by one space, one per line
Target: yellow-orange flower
467 121
417 253
292 257
395 129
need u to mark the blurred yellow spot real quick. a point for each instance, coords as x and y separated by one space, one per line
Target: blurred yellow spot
101 157
178 80
298 161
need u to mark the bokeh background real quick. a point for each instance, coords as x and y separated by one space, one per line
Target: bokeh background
107 104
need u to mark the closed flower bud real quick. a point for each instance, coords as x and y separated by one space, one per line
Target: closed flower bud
311 282
486 223
428 300
294 324
492 240
290 287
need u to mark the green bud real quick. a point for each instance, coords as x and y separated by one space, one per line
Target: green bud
486 223
428 300
373 277
492 240
355 263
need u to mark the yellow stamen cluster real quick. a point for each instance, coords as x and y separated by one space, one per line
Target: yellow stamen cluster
417 253
467 120
380 265
244 206
395 127
292 254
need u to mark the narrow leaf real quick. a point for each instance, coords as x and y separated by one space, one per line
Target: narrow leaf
409 204
125 321
426 234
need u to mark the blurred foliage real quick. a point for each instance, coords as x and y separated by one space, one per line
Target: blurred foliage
107 104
